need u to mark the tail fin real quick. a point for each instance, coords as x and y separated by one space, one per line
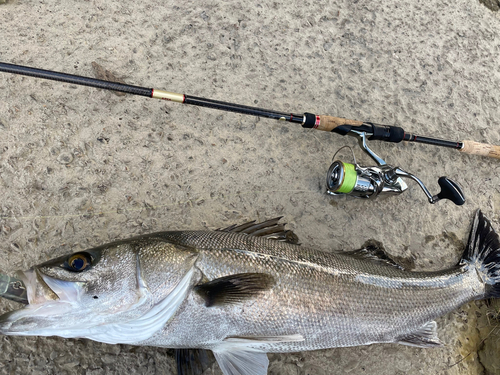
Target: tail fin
483 252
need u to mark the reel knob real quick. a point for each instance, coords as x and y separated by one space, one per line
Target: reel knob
450 190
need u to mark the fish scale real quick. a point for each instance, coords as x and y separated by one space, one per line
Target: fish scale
315 292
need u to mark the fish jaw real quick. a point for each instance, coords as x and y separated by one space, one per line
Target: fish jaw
47 298
43 288
38 291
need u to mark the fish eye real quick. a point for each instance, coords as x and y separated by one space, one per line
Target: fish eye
78 262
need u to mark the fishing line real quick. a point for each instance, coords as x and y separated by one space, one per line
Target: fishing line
472 351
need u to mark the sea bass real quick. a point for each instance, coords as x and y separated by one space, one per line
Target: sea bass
245 291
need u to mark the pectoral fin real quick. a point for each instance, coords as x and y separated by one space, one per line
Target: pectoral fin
234 288
425 337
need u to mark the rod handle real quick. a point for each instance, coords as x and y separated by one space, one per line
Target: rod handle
328 123
482 149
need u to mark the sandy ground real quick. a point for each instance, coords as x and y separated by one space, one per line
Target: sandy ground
80 167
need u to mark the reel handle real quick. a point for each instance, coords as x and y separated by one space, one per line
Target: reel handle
450 190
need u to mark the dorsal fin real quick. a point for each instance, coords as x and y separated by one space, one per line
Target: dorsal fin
269 229
374 251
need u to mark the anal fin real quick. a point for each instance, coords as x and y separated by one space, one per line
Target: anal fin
239 356
424 337
242 362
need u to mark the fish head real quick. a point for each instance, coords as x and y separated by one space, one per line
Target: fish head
70 295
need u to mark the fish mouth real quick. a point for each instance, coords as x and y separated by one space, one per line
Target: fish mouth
41 288
46 297
37 290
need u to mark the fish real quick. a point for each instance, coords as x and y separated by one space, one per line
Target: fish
233 295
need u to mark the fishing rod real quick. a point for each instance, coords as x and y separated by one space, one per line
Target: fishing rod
342 178
337 125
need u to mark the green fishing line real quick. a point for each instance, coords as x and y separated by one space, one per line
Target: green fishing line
350 177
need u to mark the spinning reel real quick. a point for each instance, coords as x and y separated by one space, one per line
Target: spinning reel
383 179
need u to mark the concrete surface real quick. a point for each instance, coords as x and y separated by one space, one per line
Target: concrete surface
80 167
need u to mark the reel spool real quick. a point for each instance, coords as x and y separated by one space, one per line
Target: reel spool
369 182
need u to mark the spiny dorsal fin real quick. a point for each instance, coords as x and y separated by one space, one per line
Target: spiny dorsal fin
374 251
193 361
233 288
424 337
269 229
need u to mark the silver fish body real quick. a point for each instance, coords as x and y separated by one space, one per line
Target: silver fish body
330 299
242 296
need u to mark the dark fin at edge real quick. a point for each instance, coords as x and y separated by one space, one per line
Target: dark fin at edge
483 253
241 361
193 361
425 337
233 288
269 229
374 251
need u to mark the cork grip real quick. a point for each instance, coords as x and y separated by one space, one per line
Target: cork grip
483 149
328 123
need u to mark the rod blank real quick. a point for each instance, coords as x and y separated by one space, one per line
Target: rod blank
307 120
74 79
